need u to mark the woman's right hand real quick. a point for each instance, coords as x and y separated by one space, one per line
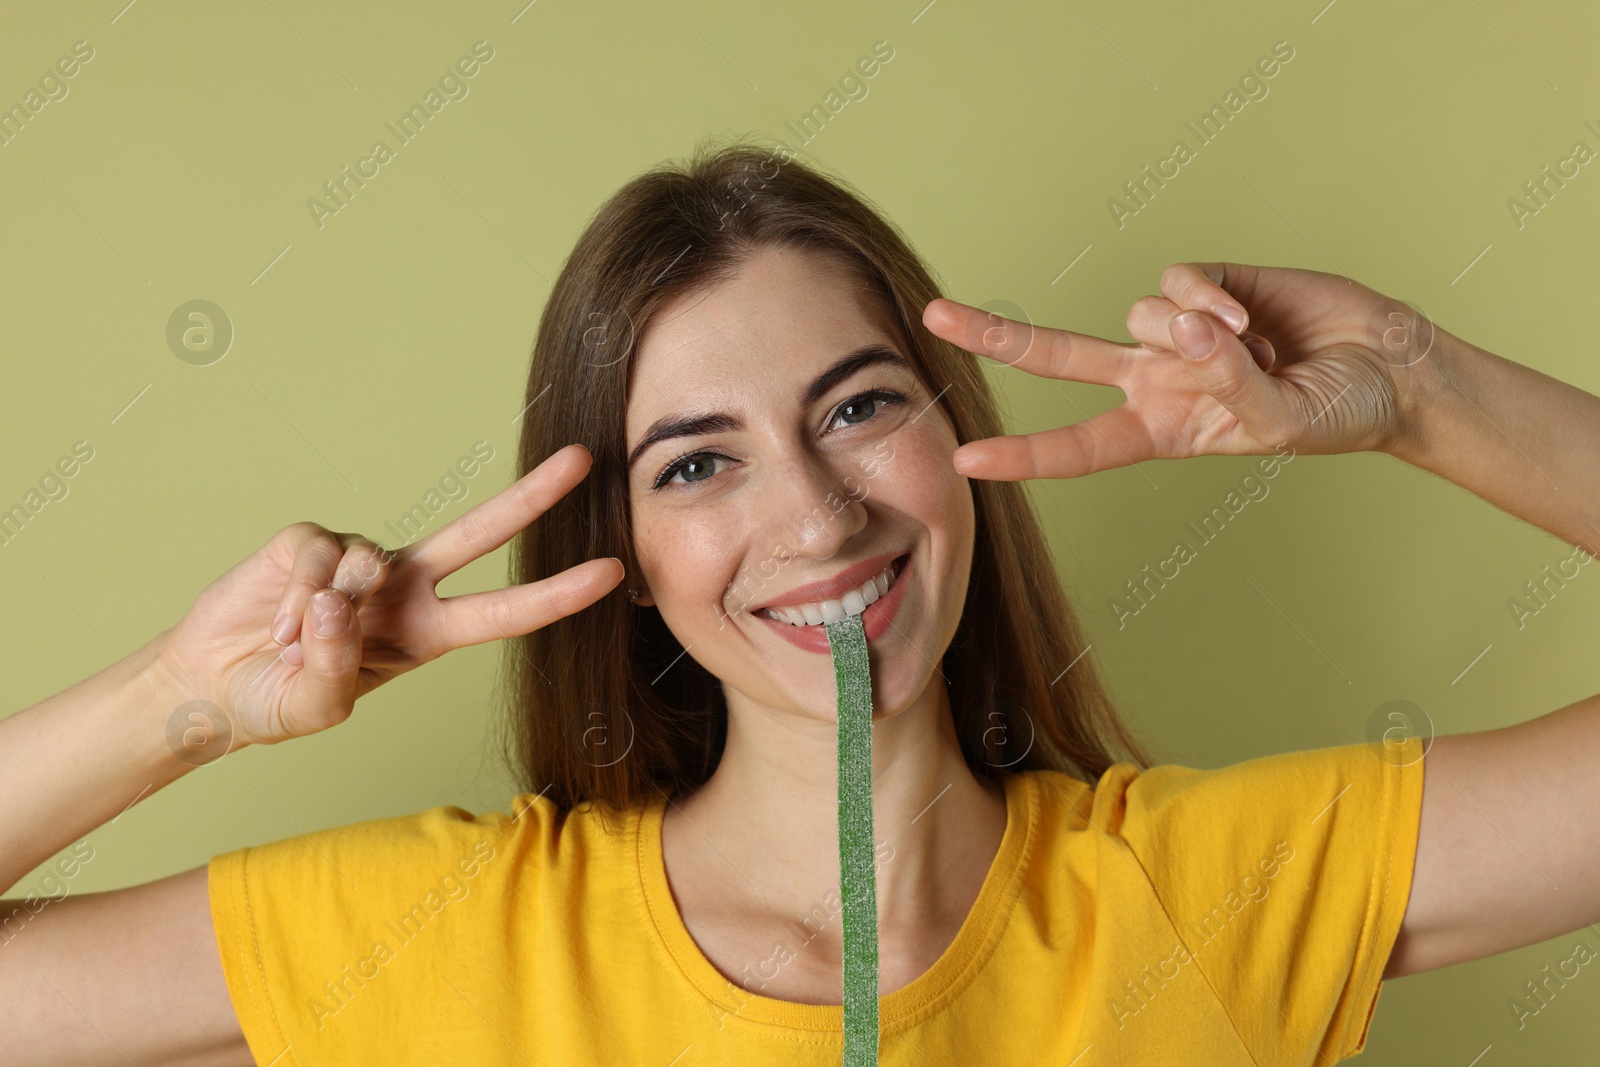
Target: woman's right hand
284 655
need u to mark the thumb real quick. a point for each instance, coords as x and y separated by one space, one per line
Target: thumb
330 640
1222 366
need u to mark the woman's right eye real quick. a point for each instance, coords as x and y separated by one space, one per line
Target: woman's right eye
695 467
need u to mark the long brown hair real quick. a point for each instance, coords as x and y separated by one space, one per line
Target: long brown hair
604 705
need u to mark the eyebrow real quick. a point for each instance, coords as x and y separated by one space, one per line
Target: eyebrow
671 426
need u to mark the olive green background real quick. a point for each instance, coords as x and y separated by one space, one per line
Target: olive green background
371 353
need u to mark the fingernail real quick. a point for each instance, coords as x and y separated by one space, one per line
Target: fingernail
283 629
1262 349
1194 334
329 613
1232 314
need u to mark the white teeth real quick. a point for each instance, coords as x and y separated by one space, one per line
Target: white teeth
853 602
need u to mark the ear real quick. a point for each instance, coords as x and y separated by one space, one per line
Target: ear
644 599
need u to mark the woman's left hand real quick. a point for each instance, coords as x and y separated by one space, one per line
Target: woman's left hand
1317 388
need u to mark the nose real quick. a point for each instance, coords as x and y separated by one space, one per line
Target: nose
813 507
808 508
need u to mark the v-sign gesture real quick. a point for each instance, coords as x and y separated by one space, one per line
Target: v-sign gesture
1337 372
286 655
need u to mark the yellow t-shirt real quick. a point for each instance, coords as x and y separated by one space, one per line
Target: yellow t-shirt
1241 915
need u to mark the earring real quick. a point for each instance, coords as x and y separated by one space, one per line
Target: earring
633 594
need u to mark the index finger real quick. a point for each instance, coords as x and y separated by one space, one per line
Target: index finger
492 523
1040 350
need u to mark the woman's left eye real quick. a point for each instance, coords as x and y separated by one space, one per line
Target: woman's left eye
859 409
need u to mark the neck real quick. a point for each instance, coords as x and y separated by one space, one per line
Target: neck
771 810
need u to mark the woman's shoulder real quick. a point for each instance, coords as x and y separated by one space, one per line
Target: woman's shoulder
1180 821
1289 870
529 830
1298 782
305 925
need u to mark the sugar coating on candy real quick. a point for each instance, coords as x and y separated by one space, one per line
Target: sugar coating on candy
857 873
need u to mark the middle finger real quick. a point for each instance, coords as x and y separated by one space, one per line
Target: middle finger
489 525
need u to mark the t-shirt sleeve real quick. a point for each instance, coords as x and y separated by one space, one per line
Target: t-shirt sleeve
308 926
1287 877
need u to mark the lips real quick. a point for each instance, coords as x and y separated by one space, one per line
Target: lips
852 602
876 617
832 588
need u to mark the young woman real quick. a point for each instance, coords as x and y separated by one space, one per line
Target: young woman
749 409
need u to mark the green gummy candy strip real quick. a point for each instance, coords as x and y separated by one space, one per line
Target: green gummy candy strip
857 874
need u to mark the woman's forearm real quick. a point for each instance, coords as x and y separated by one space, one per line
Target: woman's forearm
1524 441
70 763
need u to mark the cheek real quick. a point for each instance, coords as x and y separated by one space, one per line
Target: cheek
686 561
912 472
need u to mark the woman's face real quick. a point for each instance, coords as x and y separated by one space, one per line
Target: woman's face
782 452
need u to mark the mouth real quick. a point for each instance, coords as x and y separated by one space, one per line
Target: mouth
853 602
802 624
